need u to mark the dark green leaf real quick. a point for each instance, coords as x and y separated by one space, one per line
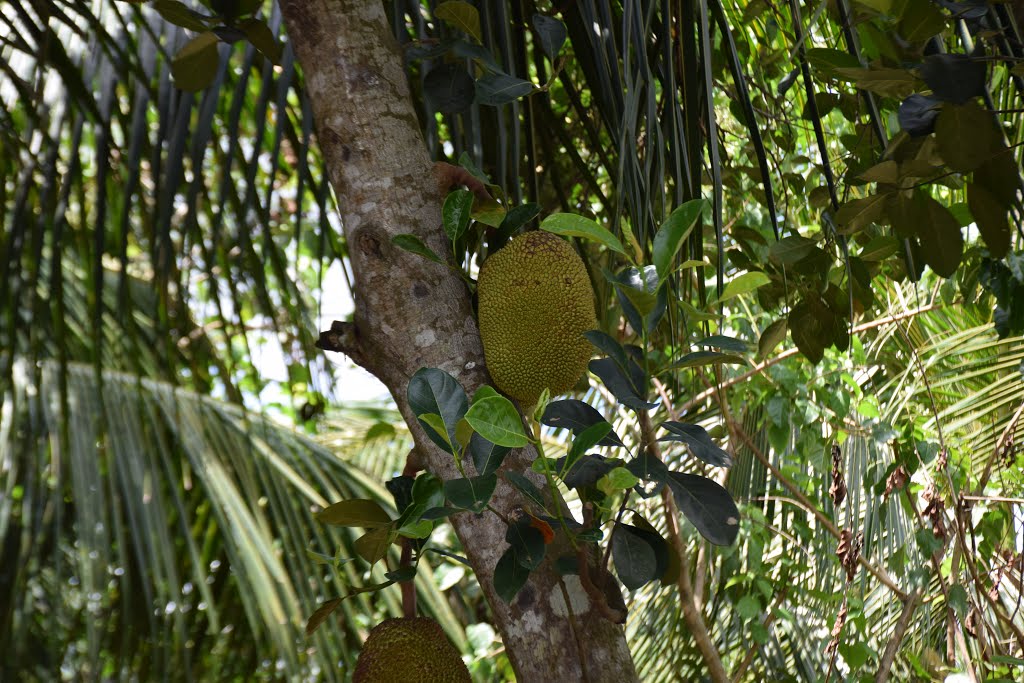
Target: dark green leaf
577 416
473 493
673 232
954 78
942 243
414 244
993 219
180 15
811 323
449 88
527 543
698 358
434 391
720 341
625 389
789 250
707 505
966 135
320 615
699 442
496 89
260 37
526 487
373 545
509 576
357 512
772 336
585 471
551 32
487 457
587 439
455 214
635 560
195 65
517 217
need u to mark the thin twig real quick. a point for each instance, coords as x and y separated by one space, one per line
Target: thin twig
893 646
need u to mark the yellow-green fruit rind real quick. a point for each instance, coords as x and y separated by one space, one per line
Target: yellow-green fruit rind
409 650
535 303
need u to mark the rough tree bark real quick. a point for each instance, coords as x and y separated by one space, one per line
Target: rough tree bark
412 313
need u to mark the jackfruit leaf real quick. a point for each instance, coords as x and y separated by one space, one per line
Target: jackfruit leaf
954 78
448 88
479 53
672 233
643 301
463 433
586 440
357 512
260 37
421 528
857 214
789 250
707 505
917 114
407 573
318 617
743 284
498 421
400 488
496 89
1000 176
827 60
605 342
543 465
180 15
572 225
472 493
456 213
438 513
517 217
772 336
436 423
526 487
942 243
577 416
966 136
446 553
662 551
635 560
427 493
486 456
623 388
648 468
586 471
373 545
434 391
810 322
898 83
700 443
552 34
698 358
920 20
415 245
880 248
721 341
617 479
992 219
482 392
460 15
195 65
509 576
526 542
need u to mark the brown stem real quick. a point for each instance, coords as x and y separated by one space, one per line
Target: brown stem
893 646
693 617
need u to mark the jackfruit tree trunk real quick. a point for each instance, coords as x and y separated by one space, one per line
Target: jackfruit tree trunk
412 313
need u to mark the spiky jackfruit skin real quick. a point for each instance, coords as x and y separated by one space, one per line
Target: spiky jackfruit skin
409 650
535 303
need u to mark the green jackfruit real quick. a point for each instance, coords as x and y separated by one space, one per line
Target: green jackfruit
409 650
535 303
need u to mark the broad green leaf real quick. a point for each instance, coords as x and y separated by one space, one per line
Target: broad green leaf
486 456
527 488
573 225
707 505
586 440
180 15
744 284
318 617
456 213
436 423
772 336
433 391
552 34
699 358
259 35
942 243
673 233
509 576
699 442
880 248
966 135
449 88
992 218
791 249
828 60
635 560
495 89
195 65
527 543
577 416
460 15
415 245
620 479
859 213
898 83
471 493
357 512
498 421
373 545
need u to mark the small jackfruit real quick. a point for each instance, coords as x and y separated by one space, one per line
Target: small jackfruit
409 650
535 303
